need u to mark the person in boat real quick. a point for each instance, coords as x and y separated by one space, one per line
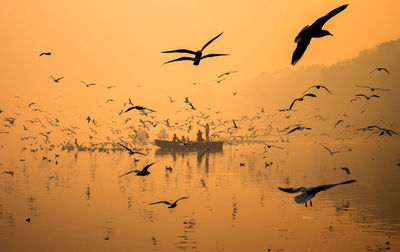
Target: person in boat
200 136
175 138
207 132
183 140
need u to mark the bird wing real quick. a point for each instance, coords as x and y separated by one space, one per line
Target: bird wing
387 71
180 51
291 105
382 89
301 34
209 42
129 172
292 189
322 20
326 148
126 147
302 45
303 198
293 130
222 75
131 108
309 88
180 59
140 153
164 202
309 94
361 86
52 77
147 167
214 55
326 89
150 110
185 197
362 95
377 96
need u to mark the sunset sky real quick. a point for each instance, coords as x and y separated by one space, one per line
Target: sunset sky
120 43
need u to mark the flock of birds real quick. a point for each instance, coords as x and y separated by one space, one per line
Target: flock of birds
228 129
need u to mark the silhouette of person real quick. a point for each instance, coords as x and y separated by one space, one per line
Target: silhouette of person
199 136
175 138
183 139
207 132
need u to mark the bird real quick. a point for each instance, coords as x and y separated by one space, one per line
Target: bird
330 152
372 88
220 80
88 85
381 131
380 69
143 172
298 128
171 100
140 108
169 204
367 97
270 145
346 169
197 55
318 87
109 87
307 193
131 152
45 53
338 122
304 37
56 79
301 99
226 73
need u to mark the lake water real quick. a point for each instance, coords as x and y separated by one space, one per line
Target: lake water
81 204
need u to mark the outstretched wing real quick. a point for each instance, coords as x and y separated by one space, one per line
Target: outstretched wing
164 202
322 20
326 148
326 89
180 59
292 189
303 198
147 167
209 42
185 197
293 130
310 95
129 172
214 55
291 105
180 51
302 45
125 147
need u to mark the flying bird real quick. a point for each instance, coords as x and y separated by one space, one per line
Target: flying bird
301 99
318 87
307 193
143 172
197 55
56 79
338 122
171 100
346 169
298 128
227 73
131 152
372 88
367 97
169 204
380 69
140 108
330 152
88 85
45 53
303 39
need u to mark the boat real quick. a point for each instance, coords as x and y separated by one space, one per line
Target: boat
189 146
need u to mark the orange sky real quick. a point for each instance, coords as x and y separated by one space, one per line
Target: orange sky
119 43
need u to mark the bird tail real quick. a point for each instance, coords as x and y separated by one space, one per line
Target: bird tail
303 198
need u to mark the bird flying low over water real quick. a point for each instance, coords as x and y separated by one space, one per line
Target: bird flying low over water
307 193
45 53
197 55
372 88
140 108
301 99
298 128
380 69
367 97
303 39
143 172
131 152
318 87
88 85
169 204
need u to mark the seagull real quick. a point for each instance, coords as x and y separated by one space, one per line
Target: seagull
220 80
88 85
313 31
301 99
197 55
169 204
367 97
381 131
318 87
171 100
372 88
307 193
56 79
346 169
143 172
140 108
298 128
45 53
380 69
270 145
330 152
227 73
109 87
338 122
131 152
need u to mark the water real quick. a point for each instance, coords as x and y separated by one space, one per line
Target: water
81 204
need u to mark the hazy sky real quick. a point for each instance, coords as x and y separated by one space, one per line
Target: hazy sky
119 43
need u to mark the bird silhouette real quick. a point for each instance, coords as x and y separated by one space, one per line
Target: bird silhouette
197 55
169 204
301 99
56 79
372 88
88 85
143 172
226 73
318 87
171 100
298 128
140 108
380 69
307 193
330 152
367 97
303 39
131 152
45 53
346 169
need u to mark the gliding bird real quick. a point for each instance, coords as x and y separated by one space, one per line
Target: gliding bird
169 204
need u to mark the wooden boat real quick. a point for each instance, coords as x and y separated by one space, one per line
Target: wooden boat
217 145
